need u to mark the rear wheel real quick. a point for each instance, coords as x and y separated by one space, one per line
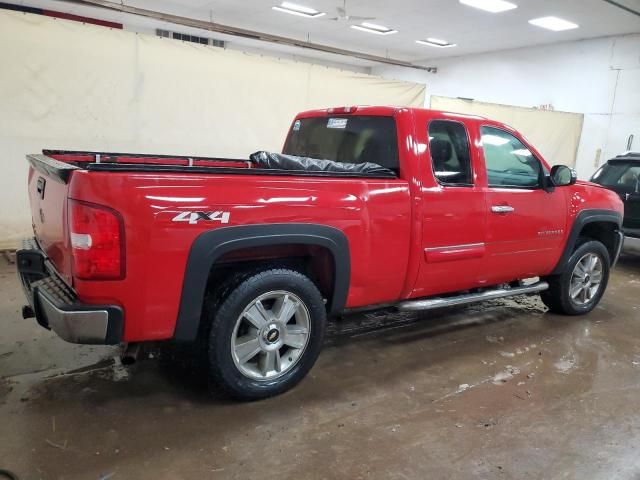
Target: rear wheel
580 287
266 334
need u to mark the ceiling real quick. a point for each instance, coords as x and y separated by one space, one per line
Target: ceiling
473 30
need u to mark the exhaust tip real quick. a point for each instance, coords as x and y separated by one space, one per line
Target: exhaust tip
130 354
128 360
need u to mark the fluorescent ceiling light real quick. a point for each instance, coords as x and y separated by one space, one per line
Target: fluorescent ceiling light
493 6
300 10
553 23
373 28
436 42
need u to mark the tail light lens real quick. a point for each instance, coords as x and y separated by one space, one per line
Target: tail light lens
97 241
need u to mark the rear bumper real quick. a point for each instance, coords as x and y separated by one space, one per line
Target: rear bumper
631 245
56 306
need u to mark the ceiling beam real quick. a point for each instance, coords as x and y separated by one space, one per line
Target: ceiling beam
244 33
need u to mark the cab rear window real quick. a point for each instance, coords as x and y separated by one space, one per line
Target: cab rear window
348 139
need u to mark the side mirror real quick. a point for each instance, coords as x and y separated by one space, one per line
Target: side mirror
561 175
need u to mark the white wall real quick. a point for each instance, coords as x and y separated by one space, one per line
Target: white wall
599 78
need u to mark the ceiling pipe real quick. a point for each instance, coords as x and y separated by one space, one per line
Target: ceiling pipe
251 34
623 7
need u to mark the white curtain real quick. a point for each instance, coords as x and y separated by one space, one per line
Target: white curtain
67 85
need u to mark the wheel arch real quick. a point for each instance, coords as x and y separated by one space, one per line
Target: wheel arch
599 224
212 245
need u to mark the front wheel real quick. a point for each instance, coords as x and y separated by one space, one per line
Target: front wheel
266 334
580 287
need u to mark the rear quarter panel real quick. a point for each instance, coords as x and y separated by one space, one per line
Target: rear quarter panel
374 214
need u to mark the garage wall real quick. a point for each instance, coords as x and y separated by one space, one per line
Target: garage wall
67 85
598 78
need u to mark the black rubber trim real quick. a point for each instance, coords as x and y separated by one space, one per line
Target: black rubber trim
211 245
60 171
106 155
31 262
130 167
585 217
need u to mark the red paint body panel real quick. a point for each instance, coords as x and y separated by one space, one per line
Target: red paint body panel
374 215
408 237
450 217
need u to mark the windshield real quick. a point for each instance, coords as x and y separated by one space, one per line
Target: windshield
624 177
348 138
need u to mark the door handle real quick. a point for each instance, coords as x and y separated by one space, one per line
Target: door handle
502 208
40 187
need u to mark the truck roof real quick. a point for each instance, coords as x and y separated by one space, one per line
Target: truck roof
378 110
389 110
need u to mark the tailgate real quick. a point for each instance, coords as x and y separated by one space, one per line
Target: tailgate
48 188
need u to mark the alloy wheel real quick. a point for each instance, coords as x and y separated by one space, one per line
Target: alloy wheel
586 279
270 335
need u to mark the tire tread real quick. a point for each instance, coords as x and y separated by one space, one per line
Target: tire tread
556 297
222 308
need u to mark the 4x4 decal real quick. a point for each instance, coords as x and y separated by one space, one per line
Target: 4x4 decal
195 217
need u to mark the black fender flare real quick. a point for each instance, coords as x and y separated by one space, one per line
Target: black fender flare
584 218
211 245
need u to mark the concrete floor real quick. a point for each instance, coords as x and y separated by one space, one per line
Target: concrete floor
497 390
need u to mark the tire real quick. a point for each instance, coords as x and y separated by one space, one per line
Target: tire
559 297
257 351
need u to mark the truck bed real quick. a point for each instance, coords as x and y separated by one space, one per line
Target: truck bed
373 212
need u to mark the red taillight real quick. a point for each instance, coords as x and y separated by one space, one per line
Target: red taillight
97 241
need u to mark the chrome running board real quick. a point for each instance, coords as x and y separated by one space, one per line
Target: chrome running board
439 302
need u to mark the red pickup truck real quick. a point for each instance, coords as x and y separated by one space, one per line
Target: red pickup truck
365 206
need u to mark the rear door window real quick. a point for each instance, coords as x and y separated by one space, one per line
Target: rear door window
450 154
347 138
